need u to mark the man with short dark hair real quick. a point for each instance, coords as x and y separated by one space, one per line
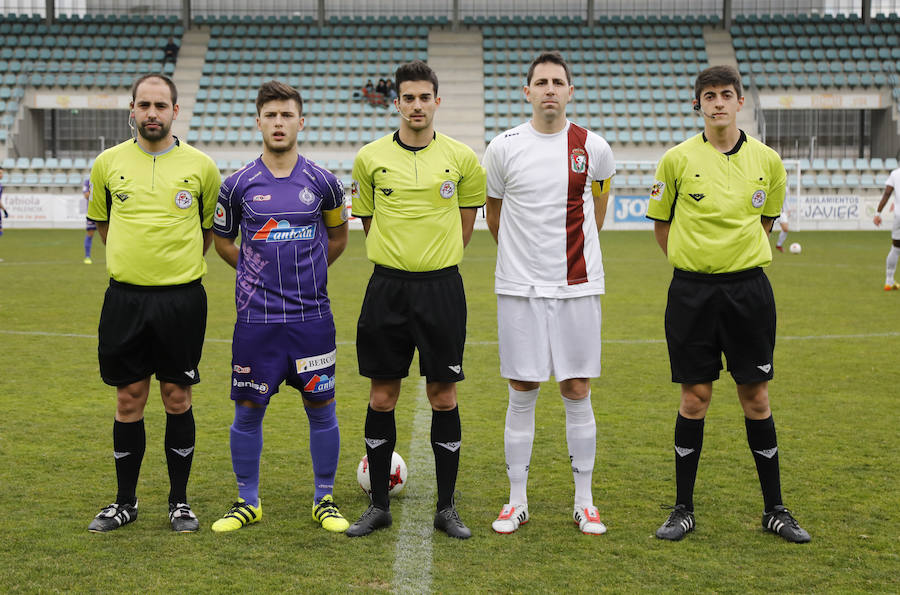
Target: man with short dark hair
548 185
290 215
417 193
713 203
152 198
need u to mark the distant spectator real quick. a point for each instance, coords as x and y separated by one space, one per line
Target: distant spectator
381 87
391 92
369 88
170 52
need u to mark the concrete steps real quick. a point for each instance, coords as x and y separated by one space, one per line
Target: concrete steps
188 70
457 58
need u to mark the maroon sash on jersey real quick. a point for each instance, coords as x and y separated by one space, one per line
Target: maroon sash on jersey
577 163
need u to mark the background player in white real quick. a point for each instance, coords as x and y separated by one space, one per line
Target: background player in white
547 187
891 263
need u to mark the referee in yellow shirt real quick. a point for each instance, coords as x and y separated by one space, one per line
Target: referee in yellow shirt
152 199
713 203
417 193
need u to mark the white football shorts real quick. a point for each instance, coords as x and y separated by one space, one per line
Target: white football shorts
540 337
895 231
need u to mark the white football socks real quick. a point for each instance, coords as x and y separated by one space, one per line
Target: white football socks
581 435
782 236
891 265
518 438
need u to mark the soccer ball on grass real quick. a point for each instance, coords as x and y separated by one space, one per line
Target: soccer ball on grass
396 479
795 248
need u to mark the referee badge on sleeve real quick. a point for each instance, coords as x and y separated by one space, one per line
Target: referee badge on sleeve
657 189
758 199
448 189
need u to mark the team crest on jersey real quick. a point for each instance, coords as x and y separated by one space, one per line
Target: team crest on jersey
578 159
448 189
183 199
219 217
307 197
758 199
281 231
657 189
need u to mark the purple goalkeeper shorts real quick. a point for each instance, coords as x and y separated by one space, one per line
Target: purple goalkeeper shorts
265 355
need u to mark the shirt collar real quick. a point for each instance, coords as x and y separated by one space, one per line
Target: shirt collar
407 147
737 147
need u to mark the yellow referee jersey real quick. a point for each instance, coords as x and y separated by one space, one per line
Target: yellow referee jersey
714 202
414 198
157 207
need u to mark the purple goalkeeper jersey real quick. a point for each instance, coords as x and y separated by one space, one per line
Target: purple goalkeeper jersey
282 270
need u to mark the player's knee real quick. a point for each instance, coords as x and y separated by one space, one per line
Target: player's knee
176 398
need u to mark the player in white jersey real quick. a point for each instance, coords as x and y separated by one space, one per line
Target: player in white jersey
548 186
892 183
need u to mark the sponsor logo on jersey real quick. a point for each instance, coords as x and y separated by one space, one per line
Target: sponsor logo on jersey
758 199
239 369
319 384
387 191
261 198
183 199
656 189
122 196
254 176
579 160
340 186
260 387
448 189
697 196
508 134
281 231
219 217
307 197
316 362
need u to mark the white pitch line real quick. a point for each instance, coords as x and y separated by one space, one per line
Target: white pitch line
826 337
412 556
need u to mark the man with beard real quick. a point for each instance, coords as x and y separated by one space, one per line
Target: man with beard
290 215
152 198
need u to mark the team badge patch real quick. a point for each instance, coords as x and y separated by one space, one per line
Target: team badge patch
219 217
448 189
354 189
183 199
578 160
307 197
758 199
657 189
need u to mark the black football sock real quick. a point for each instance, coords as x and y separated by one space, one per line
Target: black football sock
129 443
446 434
688 444
180 434
764 445
381 438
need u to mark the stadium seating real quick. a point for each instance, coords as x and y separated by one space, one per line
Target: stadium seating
632 76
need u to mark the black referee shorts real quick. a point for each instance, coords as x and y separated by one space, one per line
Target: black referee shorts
403 311
730 313
146 330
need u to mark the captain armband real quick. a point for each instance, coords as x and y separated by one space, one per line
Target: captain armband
335 217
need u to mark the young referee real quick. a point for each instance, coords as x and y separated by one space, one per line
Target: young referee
416 192
152 199
713 203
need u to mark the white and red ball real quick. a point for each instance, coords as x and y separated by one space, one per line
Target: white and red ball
795 248
396 479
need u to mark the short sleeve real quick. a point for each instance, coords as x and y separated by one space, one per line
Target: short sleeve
602 164
333 201
98 207
362 192
471 188
493 169
211 181
664 190
227 219
777 187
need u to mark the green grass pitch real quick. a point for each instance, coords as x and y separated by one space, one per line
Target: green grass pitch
835 398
